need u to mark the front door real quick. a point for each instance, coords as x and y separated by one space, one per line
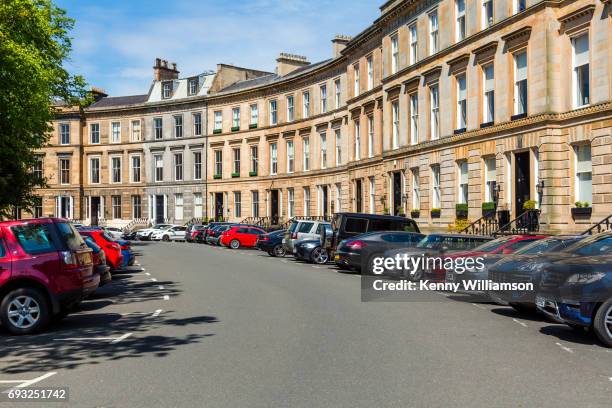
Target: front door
325 201
358 196
522 180
94 210
219 206
274 207
159 209
397 193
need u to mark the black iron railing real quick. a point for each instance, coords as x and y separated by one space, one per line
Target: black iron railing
601 226
526 223
486 225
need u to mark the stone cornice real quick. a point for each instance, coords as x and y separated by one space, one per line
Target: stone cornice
586 11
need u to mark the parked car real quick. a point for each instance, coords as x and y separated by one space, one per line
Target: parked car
348 225
145 234
240 236
490 253
434 245
358 253
192 231
112 249
174 233
130 235
214 235
115 233
310 250
126 251
272 243
521 267
576 286
45 269
210 227
99 261
300 230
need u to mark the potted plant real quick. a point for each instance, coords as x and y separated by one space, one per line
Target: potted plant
488 209
582 209
235 128
386 211
415 213
461 210
217 131
253 126
234 175
217 176
435 213
252 173
529 205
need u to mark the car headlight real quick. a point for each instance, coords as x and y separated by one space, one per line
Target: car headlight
584 278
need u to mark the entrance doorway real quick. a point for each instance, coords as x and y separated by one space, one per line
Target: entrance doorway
397 193
159 209
219 206
95 210
358 196
274 211
325 198
522 183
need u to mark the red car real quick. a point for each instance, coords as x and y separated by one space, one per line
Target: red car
490 252
112 250
238 236
45 270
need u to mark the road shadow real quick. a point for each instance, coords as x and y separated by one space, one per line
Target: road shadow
570 335
481 298
533 316
71 343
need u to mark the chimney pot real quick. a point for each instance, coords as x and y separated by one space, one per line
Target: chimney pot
161 71
287 63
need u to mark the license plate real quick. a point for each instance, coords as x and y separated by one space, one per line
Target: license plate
284 241
337 258
450 276
540 301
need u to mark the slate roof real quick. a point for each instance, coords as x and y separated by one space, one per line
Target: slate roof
119 101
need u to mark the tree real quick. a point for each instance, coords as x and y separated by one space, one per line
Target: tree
34 44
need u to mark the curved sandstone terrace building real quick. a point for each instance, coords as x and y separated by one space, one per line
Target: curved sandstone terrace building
436 103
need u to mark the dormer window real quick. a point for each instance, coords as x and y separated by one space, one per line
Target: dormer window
193 86
166 89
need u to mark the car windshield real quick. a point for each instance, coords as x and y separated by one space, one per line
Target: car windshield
431 241
70 236
492 245
546 245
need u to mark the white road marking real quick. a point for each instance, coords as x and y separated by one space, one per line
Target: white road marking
134 313
161 287
519 322
118 339
569 350
154 280
479 306
156 313
26 383
111 339
147 273
166 297
316 267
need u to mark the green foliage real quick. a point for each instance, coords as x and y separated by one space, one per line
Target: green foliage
582 204
529 205
34 45
461 207
488 206
386 211
235 175
217 176
436 211
252 173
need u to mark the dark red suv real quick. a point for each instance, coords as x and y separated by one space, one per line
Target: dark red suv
45 269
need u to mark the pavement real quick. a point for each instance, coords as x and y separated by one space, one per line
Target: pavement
200 326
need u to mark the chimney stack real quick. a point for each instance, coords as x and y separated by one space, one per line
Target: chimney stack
339 43
287 63
161 71
98 93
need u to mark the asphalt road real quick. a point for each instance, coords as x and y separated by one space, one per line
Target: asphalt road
210 327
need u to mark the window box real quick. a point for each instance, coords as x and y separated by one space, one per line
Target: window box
234 175
253 126
519 116
415 213
582 210
461 210
488 209
486 125
459 131
252 174
217 131
435 213
235 128
217 176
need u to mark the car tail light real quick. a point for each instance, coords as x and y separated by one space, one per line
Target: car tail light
294 235
114 245
69 259
263 239
356 244
125 247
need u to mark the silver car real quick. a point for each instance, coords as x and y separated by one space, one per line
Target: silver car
301 230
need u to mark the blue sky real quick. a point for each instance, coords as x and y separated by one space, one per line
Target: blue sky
116 41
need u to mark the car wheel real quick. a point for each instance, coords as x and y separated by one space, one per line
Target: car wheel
319 256
25 311
271 253
235 244
603 323
369 270
279 251
166 238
